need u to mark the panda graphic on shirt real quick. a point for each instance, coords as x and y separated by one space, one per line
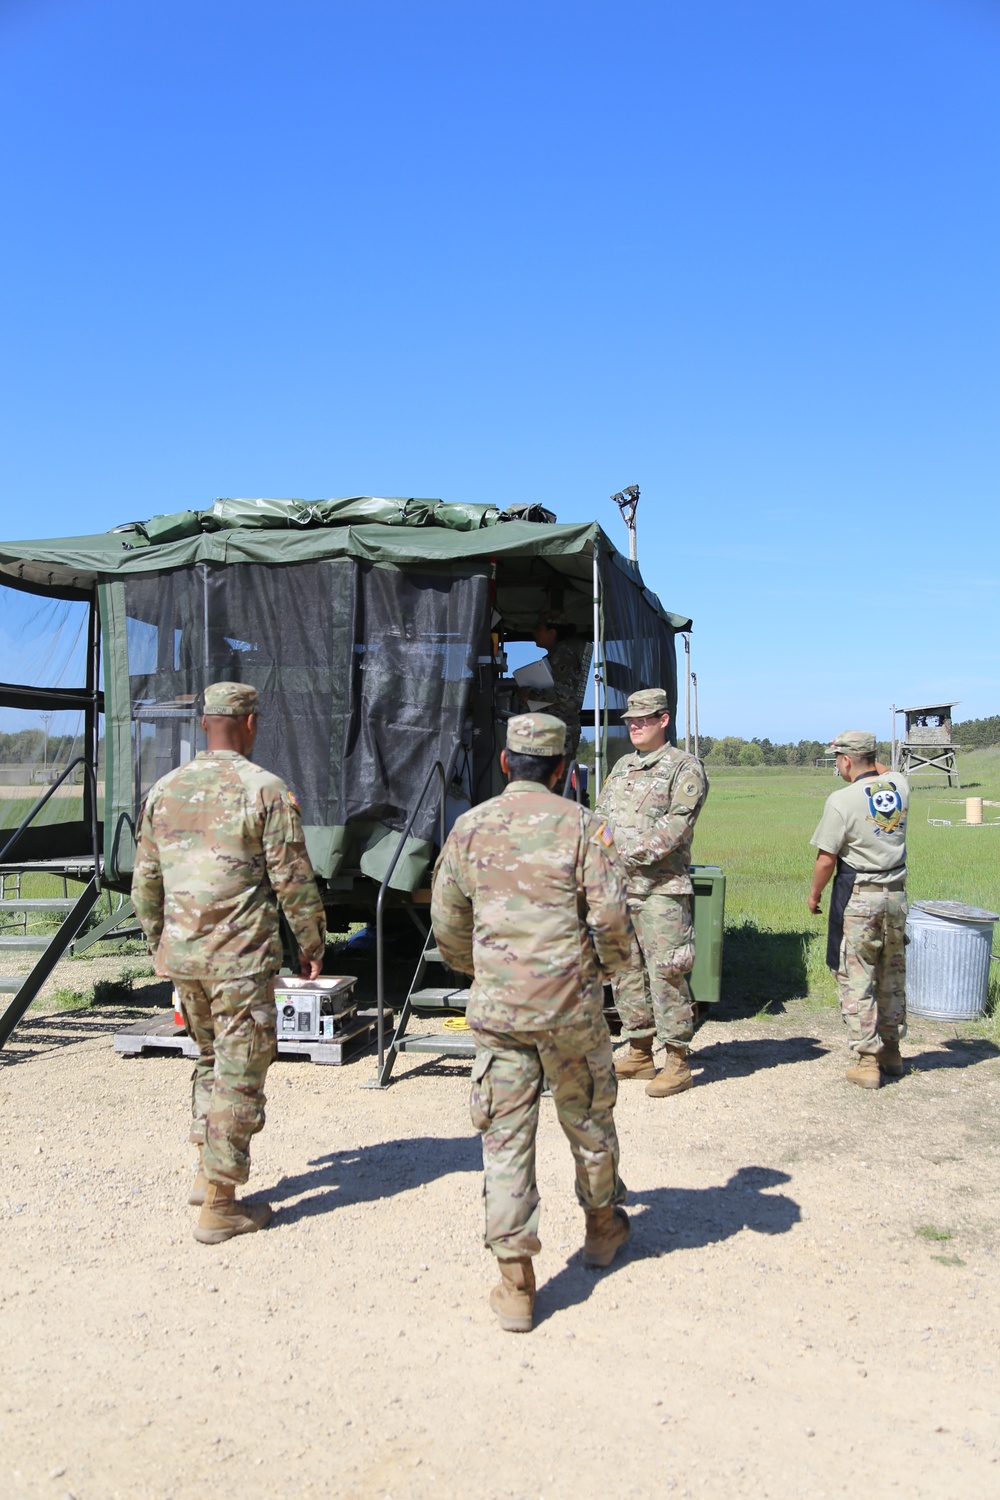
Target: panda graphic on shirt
885 806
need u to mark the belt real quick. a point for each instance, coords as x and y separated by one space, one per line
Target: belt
844 883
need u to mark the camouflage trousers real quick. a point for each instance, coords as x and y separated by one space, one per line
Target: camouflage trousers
508 1075
234 1023
652 995
871 977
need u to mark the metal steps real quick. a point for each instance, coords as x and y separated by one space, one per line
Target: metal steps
444 1044
440 997
428 1000
32 905
50 950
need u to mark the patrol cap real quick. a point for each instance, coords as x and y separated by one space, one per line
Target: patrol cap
648 701
536 734
853 742
231 700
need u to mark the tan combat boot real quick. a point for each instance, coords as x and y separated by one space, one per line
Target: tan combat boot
675 1075
200 1185
890 1060
865 1071
222 1216
607 1231
637 1060
513 1297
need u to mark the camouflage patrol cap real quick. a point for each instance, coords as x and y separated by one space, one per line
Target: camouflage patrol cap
648 701
536 734
853 742
230 700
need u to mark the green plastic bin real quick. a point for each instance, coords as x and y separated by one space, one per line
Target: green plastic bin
709 914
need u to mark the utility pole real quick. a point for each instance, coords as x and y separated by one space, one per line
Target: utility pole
687 693
627 501
694 684
46 722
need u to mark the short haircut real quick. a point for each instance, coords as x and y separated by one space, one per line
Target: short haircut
531 767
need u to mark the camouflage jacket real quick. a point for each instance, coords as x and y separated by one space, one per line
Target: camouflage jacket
220 844
566 694
652 802
528 898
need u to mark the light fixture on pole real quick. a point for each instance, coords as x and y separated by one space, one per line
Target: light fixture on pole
627 501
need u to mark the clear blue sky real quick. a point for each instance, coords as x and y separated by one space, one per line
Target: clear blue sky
742 252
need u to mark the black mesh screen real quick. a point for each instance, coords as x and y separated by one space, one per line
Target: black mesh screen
364 675
639 650
416 642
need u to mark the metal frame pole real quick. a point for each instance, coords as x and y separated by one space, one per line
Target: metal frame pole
687 694
892 753
697 744
598 748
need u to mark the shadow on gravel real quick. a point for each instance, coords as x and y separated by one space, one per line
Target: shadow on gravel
959 1052
35 1034
369 1173
740 1059
681 1219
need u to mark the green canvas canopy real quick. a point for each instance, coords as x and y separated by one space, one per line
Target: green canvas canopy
374 631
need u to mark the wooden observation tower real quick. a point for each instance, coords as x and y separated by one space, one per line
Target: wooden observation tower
927 748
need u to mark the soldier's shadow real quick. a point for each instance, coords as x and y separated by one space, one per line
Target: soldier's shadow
680 1219
365 1174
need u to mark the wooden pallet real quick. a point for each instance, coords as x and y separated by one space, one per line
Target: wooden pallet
152 1036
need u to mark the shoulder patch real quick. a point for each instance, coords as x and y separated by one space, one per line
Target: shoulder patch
294 802
690 787
603 835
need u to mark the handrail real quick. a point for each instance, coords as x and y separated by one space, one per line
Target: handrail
436 769
576 788
81 760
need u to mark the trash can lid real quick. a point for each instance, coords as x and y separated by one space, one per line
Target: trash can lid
956 911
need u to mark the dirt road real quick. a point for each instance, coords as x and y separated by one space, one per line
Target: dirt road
779 1325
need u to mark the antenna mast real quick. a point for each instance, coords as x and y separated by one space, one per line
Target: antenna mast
627 501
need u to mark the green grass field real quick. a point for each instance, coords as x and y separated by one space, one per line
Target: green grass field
757 824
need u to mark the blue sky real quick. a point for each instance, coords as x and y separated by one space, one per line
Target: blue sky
742 252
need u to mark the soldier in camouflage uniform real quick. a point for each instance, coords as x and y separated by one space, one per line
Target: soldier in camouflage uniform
528 899
565 650
220 844
861 840
652 799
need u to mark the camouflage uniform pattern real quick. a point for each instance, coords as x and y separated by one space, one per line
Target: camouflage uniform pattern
508 1074
220 843
871 978
652 802
233 1022
864 825
528 898
566 664
652 995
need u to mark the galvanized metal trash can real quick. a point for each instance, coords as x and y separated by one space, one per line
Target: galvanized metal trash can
948 960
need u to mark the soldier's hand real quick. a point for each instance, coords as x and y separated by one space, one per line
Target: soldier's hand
814 905
310 968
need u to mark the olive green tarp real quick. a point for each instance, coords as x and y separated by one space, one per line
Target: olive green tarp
411 704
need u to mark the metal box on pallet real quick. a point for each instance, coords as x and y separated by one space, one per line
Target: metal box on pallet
313 1009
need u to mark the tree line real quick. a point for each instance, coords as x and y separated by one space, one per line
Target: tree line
27 747
977 734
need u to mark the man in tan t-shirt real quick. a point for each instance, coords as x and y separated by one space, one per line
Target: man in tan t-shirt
862 837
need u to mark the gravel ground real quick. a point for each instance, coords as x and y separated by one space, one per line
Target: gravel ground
778 1326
